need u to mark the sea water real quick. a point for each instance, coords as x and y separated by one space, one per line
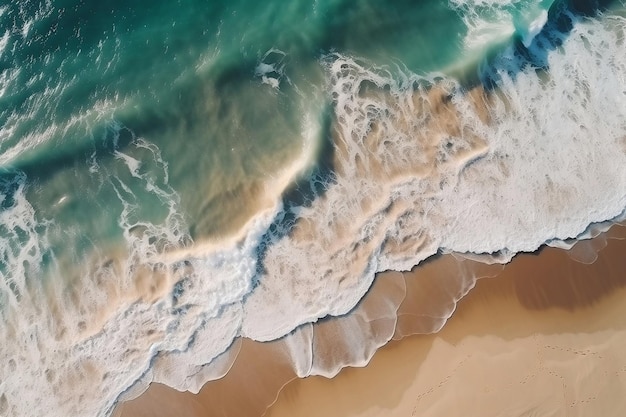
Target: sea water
177 175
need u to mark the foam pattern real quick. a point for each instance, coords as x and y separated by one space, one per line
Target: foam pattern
495 21
420 165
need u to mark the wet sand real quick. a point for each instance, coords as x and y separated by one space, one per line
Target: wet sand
545 337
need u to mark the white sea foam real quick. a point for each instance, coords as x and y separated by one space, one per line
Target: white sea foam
24 243
585 247
129 311
271 68
4 41
351 340
483 3
483 33
534 28
420 166
28 19
7 80
490 22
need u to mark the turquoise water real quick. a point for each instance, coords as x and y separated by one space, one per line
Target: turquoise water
178 168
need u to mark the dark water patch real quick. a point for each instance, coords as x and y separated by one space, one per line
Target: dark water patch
303 192
563 15
10 182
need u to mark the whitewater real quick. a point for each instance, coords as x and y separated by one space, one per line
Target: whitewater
121 265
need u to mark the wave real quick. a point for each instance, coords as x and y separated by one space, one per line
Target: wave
110 314
419 165
494 22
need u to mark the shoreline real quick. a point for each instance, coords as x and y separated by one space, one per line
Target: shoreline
529 291
515 343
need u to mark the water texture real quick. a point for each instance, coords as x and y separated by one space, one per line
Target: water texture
178 175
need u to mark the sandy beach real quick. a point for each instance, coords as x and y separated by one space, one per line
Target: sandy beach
544 338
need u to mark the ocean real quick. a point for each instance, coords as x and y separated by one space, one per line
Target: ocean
178 175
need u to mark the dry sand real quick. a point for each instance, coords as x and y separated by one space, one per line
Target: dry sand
545 338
